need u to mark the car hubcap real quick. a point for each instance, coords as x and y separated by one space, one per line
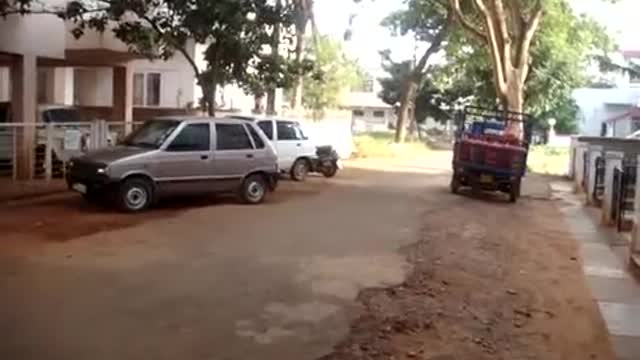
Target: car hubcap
255 191
300 170
136 198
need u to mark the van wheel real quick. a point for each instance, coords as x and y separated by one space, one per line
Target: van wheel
254 189
299 170
135 195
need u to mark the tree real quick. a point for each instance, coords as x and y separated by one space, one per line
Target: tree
507 29
431 99
303 10
430 21
333 74
560 55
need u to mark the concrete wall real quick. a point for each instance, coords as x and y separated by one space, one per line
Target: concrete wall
177 78
41 35
598 105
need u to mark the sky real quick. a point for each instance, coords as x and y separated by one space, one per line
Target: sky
332 16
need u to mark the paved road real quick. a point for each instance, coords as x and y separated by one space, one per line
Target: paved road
225 281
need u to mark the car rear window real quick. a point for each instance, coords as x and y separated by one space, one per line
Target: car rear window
257 140
232 137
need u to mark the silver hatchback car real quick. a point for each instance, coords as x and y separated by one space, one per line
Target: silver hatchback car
173 156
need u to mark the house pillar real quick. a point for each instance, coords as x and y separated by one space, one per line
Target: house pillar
613 159
579 166
595 151
123 96
24 110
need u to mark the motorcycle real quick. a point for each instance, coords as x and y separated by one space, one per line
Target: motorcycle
327 161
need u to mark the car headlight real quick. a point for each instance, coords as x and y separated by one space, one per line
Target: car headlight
102 170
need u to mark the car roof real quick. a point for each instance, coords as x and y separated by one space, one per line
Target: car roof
260 118
45 107
192 118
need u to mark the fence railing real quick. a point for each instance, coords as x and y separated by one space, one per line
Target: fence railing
623 196
52 145
598 187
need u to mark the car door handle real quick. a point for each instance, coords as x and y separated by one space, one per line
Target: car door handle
249 156
204 157
298 144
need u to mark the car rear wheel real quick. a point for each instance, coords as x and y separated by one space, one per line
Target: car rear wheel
135 195
254 189
299 170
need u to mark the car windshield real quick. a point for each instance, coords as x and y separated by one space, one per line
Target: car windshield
68 115
151 134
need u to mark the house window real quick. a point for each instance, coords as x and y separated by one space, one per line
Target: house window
378 114
138 89
153 89
358 113
146 89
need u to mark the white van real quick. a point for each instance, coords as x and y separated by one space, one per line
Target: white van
294 147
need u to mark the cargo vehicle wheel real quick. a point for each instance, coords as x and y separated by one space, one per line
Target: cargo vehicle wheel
135 194
455 184
254 189
299 170
514 194
92 196
330 171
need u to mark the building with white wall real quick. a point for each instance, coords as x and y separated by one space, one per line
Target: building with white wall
41 62
616 108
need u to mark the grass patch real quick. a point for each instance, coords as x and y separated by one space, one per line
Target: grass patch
380 145
548 160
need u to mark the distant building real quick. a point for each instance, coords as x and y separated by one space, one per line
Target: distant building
615 110
368 111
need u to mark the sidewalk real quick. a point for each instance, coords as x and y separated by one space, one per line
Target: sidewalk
18 190
604 262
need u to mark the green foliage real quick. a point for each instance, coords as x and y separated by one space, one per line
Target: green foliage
234 32
563 48
431 100
333 74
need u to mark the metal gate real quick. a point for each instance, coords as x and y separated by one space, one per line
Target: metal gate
598 188
624 182
585 171
55 143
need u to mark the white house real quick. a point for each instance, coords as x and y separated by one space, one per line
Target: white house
616 108
368 111
41 62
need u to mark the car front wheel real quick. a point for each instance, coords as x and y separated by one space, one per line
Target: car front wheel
299 170
135 195
254 189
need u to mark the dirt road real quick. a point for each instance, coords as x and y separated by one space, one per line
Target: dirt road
381 262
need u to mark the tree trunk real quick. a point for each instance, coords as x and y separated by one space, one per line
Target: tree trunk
258 107
408 97
271 102
208 97
296 100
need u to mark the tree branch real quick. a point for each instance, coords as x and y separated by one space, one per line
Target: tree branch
465 23
529 30
180 47
496 51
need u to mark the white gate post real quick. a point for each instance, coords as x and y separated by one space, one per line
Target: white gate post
635 233
594 152
48 150
578 166
613 159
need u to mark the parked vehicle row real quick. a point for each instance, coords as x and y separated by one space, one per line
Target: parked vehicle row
175 156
